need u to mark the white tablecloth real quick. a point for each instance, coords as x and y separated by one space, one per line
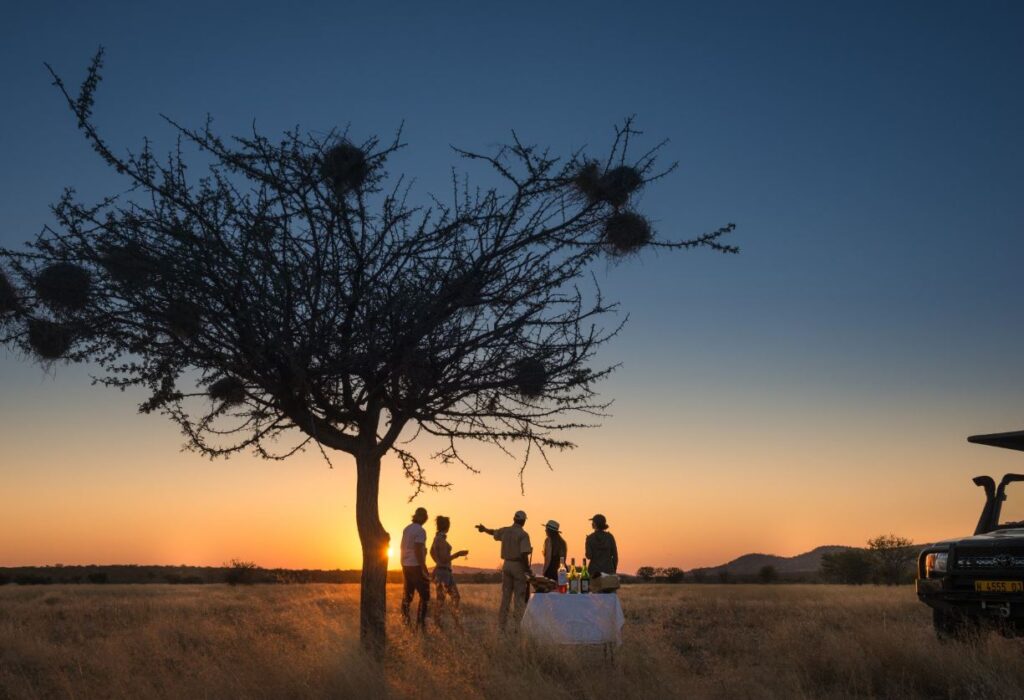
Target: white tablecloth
562 618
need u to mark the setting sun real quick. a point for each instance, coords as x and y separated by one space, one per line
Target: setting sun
391 551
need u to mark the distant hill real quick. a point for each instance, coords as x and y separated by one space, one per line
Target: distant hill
750 564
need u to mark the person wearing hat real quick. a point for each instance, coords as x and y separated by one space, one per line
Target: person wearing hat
515 553
600 548
414 567
554 549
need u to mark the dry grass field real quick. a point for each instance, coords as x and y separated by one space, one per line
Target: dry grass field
302 641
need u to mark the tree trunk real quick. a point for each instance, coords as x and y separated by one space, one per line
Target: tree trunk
375 541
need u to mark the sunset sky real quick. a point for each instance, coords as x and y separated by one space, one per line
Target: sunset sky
817 389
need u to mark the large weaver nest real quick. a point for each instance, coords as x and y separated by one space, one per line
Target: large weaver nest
130 265
49 340
63 286
183 319
530 377
626 232
9 301
346 167
613 187
229 390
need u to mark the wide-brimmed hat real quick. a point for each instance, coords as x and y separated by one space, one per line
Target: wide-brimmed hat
599 521
552 526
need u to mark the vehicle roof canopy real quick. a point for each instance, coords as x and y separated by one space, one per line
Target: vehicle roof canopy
1011 441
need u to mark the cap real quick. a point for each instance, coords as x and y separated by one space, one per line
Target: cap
520 515
599 521
552 525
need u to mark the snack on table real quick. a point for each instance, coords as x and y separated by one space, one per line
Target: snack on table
542 584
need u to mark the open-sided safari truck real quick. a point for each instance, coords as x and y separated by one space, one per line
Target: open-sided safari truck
972 580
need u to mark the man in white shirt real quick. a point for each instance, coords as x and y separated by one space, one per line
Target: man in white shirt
414 567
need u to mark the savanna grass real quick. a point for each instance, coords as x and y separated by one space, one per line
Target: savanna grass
299 641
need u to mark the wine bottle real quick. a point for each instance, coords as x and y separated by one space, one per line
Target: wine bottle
585 578
563 576
574 578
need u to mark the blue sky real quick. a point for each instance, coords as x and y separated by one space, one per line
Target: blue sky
870 154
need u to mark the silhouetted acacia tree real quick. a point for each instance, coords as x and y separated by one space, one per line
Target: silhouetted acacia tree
674 574
294 290
645 573
894 557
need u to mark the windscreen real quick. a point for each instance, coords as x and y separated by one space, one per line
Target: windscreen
1012 514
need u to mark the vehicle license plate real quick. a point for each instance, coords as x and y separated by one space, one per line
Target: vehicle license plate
999 586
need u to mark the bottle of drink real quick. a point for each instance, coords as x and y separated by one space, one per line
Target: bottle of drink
585 578
563 576
574 578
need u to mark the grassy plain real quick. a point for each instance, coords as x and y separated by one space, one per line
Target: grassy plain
693 641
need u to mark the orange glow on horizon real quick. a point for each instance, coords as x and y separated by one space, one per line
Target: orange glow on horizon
115 487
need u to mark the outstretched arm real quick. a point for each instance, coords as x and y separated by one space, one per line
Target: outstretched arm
488 530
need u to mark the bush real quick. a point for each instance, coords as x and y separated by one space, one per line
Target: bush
851 566
645 573
767 574
32 580
98 577
4 579
240 572
894 558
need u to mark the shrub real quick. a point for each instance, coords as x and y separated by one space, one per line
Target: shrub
98 577
851 566
32 580
767 574
894 557
240 572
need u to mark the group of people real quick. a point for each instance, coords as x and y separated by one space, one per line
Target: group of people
516 553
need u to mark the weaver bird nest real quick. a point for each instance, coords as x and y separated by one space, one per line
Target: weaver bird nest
613 187
183 319
229 390
130 265
9 301
530 377
346 167
49 340
626 232
63 286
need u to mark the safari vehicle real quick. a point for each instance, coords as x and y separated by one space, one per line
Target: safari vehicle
979 579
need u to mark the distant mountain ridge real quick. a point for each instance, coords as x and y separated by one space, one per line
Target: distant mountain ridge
750 564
